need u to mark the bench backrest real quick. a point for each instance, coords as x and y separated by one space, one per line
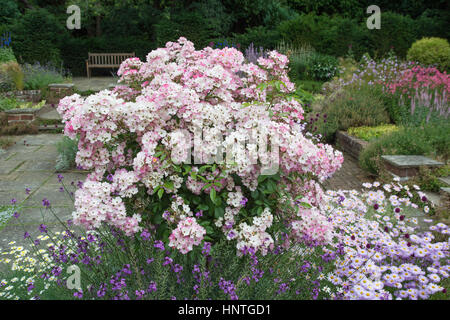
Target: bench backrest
108 59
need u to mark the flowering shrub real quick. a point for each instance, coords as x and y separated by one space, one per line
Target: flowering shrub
137 140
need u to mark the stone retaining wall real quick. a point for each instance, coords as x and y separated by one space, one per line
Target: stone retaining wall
350 144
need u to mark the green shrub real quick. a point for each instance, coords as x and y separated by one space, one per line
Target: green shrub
306 64
67 149
323 67
431 51
6 54
352 108
430 140
327 34
260 37
300 62
12 72
8 104
397 33
37 37
9 10
189 25
310 85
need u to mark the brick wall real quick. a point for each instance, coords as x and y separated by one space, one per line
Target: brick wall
58 91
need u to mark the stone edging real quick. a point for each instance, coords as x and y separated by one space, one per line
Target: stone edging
350 144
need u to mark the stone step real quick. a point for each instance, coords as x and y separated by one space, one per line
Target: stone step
445 180
435 198
405 166
46 127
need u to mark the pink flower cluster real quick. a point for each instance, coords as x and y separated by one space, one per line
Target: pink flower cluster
419 77
187 234
94 204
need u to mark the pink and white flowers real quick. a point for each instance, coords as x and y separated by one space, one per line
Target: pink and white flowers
138 140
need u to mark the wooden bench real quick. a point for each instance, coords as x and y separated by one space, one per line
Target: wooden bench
106 60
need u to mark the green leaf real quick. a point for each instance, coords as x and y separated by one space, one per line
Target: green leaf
157 219
306 205
212 195
160 193
168 185
203 168
219 212
206 186
255 194
209 230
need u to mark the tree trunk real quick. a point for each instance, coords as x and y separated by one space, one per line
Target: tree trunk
98 29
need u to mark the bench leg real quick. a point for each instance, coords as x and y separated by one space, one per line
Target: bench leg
87 70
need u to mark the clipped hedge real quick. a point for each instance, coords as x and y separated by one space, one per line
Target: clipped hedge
431 51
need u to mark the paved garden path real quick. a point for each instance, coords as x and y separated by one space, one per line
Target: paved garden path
349 177
93 83
30 163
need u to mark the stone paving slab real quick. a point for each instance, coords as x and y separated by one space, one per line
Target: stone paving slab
8 195
30 163
406 161
33 216
93 83
50 193
445 180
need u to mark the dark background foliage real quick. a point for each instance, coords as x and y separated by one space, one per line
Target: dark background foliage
39 30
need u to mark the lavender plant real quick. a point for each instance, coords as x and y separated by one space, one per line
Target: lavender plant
38 77
252 54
